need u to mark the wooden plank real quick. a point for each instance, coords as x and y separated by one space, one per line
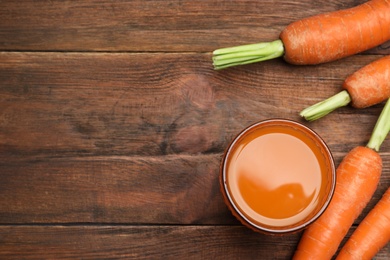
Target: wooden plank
176 189
116 138
141 242
173 26
146 242
78 104
113 124
170 190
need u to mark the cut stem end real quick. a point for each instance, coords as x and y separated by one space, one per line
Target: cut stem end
324 107
381 129
246 54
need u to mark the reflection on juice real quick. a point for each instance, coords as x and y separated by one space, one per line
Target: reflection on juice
276 175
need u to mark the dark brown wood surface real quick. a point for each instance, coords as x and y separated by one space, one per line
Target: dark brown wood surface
113 124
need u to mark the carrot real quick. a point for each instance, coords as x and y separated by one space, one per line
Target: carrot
372 234
366 87
318 39
357 178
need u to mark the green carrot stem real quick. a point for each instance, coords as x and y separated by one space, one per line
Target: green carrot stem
381 129
245 54
324 107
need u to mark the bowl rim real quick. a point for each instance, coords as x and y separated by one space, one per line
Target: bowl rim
235 209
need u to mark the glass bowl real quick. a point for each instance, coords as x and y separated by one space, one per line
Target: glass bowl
277 176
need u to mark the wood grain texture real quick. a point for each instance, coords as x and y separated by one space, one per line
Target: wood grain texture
161 190
146 242
141 242
113 124
136 190
138 25
117 138
55 104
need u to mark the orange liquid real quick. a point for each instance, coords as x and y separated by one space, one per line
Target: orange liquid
276 175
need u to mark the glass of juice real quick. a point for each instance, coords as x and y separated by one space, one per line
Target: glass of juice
277 176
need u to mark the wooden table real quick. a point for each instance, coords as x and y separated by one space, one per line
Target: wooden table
113 123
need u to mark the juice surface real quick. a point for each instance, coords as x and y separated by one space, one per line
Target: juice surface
276 175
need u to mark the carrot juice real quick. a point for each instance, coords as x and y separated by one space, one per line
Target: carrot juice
277 175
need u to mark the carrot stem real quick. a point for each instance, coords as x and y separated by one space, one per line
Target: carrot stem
326 106
381 129
246 54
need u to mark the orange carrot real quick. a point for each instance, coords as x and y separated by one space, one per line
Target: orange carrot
318 39
357 178
371 235
370 85
366 87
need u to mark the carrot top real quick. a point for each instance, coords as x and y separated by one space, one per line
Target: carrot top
382 126
381 129
326 106
245 54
